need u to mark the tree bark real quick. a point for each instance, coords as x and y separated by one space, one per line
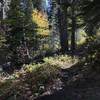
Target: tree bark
62 24
73 44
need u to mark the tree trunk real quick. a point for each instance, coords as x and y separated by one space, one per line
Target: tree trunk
73 44
62 24
1 9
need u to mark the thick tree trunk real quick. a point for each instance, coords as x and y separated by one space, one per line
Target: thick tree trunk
62 24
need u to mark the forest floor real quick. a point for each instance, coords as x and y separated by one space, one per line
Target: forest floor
74 83
82 86
78 80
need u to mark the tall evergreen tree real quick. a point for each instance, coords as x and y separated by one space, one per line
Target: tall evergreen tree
21 27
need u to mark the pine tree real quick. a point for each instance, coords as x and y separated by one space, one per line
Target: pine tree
21 29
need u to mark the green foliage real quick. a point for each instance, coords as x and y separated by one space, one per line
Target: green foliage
91 15
38 75
91 53
21 33
2 39
37 4
61 60
43 73
35 75
21 37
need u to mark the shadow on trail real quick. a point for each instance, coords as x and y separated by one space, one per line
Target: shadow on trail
79 84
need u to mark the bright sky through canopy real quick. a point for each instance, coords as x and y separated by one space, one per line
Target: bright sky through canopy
46 3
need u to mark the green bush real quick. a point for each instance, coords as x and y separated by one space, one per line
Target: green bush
37 77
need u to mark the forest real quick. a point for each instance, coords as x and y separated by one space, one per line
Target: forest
49 50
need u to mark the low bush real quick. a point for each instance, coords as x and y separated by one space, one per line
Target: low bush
35 78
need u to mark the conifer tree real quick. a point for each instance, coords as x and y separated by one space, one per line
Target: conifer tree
21 27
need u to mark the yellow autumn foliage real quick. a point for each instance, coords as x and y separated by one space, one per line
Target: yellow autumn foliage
42 22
